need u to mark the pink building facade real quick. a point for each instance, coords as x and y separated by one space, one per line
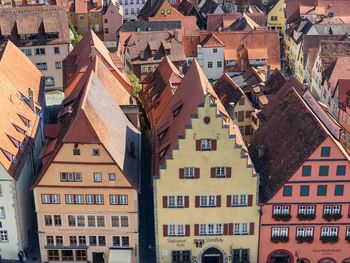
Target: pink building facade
308 218
112 21
304 181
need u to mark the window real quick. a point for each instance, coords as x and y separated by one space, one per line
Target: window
239 200
97 177
219 64
73 240
180 256
210 64
325 151
101 240
324 170
175 201
120 241
240 229
27 51
120 221
304 232
106 21
215 50
53 255
111 176
322 190
58 65
59 240
99 199
206 144
90 199
240 255
96 152
247 130
41 66
304 190
3 236
50 241
67 255
45 199
92 240
57 50
71 220
80 255
100 221
76 151
341 169
57 220
69 199
40 51
81 221
82 240
287 190
339 190
79 199
189 172
176 230
91 221
48 220
71 177
220 171
279 232
306 170
306 210
210 229
329 231
81 17
207 201
280 210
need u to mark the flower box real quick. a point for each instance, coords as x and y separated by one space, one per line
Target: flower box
302 239
303 217
329 239
282 217
279 239
330 217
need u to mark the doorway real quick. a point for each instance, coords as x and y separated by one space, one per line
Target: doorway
212 255
98 257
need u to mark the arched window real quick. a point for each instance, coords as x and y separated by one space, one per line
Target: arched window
49 81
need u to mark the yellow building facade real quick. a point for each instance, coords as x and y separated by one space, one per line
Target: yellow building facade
206 196
83 22
276 18
166 10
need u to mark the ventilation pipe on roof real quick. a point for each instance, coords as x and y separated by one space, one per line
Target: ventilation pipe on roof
31 99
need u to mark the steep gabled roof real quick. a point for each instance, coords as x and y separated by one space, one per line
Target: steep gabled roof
293 125
209 7
81 56
339 69
88 121
228 91
19 119
211 41
190 93
150 8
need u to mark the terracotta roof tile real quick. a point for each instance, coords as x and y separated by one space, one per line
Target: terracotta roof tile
18 121
190 44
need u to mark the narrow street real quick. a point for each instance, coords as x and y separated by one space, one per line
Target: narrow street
146 226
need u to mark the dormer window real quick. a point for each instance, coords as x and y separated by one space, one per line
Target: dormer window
52 35
25 120
177 110
20 130
15 142
8 155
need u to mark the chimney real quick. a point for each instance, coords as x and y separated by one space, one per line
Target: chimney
268 72
93 52
31 99
261 151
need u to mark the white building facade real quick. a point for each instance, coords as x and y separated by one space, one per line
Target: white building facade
211 60
132 8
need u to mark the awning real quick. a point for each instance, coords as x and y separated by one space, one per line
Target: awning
119 256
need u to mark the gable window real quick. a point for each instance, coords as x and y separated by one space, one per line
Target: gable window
304 190
205 144
322 190
210 64
57 50
341 169
112 176
287 190
97 177
76 151
306 170
323 170
70 177
96 152
325 151
215 50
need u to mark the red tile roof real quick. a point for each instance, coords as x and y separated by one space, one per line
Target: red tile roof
190 44
19 123
211 41
343 87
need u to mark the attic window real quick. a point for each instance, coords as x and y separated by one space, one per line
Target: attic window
25 120
177 109
8 155
15 142
161 134
96 152
162 152
20 130
76 150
